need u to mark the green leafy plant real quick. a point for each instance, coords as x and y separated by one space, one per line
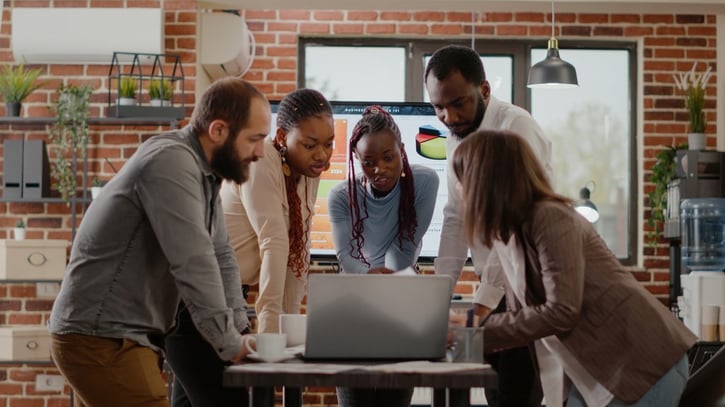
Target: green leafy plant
693 85
662 173
160 89
69 135
20 224
127 87
16 83
97 182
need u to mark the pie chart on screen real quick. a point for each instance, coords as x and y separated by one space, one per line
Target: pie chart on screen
430 143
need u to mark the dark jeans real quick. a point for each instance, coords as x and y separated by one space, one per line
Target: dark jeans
198 370
353 397
518 381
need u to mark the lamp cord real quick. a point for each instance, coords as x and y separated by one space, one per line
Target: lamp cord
553 18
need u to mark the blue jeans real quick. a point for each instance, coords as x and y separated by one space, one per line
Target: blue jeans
665 393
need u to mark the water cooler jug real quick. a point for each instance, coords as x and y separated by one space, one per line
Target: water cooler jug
703 256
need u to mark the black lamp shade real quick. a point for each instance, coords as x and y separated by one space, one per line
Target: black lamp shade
552 72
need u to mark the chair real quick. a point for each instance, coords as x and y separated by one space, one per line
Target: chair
706 386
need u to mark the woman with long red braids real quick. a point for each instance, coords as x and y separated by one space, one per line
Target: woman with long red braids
268 217
379 218
268 222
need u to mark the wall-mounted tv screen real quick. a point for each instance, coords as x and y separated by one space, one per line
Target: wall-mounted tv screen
424 137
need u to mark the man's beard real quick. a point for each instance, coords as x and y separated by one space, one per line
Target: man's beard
480 109
226 163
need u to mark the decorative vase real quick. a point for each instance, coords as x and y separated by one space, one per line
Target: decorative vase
19 233
12 109
95 192
696 141
159 102
127 101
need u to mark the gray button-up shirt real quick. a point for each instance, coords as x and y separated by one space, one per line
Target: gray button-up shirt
153 238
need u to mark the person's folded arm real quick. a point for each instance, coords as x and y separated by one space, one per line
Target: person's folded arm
171 193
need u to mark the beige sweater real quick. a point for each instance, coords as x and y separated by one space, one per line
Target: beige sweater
257 219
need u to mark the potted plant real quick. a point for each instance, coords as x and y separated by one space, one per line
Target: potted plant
127 91
69 135
15 85
96 186
160 91
662 173
693 85
19 230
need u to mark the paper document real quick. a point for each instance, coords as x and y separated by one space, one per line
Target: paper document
408 271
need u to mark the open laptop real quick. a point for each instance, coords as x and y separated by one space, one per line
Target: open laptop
377 316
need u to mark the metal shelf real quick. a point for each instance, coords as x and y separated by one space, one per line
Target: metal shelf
97 121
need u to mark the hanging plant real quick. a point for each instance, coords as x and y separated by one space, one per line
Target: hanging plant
662 173
69 136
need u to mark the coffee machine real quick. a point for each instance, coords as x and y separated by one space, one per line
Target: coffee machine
695 226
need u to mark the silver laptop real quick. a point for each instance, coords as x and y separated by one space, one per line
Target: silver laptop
377 316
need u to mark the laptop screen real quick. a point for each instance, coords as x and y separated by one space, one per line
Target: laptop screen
377 316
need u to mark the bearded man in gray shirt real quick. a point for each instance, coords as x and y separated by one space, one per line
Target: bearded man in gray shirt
154 239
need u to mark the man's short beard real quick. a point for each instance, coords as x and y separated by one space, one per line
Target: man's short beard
226 163
480 110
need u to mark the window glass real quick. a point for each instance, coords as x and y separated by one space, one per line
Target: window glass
590 132
356 73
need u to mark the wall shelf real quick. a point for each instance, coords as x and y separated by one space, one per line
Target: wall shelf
97 121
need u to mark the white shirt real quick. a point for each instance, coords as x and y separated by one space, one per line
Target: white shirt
453 249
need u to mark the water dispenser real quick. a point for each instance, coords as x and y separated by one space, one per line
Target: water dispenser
703 233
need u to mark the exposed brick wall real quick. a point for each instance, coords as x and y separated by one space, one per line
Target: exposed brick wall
19 303
670 43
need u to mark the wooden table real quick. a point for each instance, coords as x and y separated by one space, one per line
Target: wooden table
450 387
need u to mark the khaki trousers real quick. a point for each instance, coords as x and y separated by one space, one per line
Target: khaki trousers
107 372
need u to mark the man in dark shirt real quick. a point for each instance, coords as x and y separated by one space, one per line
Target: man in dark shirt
156 238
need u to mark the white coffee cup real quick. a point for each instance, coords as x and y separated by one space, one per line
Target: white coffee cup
269 345
295 326
709 322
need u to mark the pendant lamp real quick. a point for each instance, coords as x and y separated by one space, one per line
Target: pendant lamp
552 71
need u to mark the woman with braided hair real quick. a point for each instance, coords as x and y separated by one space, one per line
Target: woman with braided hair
379 218
268 223
268 217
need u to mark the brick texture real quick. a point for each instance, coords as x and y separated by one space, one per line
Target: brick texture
669 43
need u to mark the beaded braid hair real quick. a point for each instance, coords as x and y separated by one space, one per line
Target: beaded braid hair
374 120
294 108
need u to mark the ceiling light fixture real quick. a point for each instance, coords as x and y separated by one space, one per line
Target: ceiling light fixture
552 71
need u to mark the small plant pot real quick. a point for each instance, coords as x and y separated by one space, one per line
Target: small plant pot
127 102
12 109
95 192
19 233
160 102
696 141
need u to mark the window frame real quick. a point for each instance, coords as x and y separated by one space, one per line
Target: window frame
519 50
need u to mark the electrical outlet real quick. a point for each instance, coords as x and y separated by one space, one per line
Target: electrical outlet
47 290
46 382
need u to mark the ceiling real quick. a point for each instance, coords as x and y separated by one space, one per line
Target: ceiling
619 6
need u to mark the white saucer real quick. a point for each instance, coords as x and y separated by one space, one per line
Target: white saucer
286 356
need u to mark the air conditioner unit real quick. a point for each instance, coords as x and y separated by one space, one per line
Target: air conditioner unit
84 35
226 45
